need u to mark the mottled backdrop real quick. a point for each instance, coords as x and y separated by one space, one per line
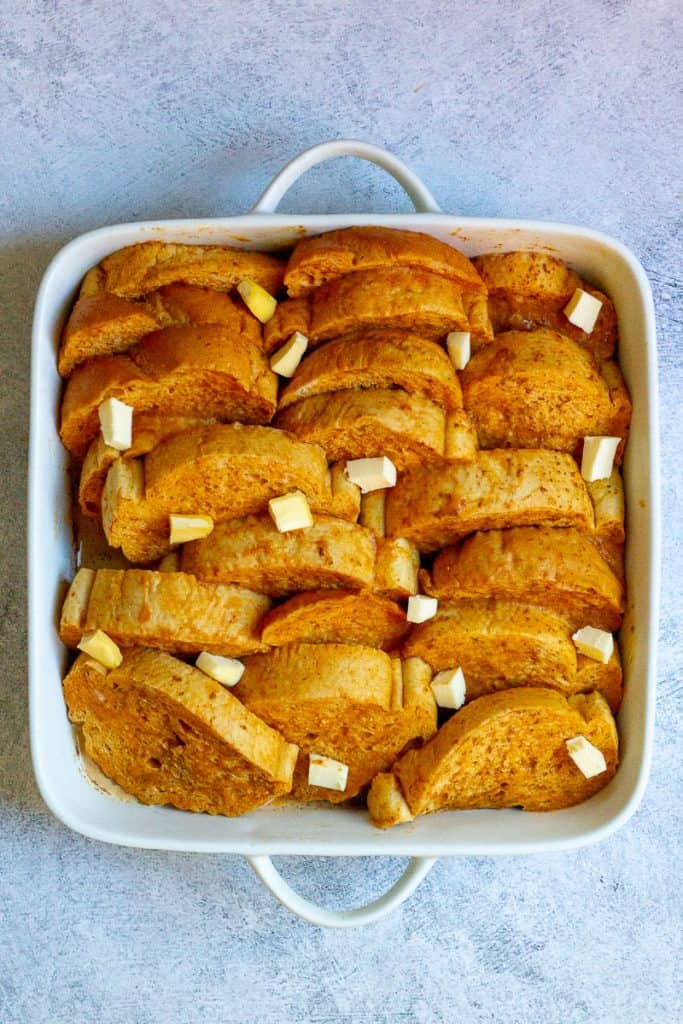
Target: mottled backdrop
116 111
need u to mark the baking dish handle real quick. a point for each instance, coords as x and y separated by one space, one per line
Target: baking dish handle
400 891
422 198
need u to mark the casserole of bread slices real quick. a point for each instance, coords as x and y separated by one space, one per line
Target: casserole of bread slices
341 526
368 502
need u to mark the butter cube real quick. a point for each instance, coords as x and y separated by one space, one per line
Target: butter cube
290 512
598 457
116 423
257 300
186 528
371 474
588 759
286 359
102 648
326 772
594 643
227 671
449 688
421 608
582 310
459 348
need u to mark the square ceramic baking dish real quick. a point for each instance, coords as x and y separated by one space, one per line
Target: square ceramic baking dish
328 830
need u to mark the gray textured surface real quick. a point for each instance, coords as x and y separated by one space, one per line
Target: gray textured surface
112 112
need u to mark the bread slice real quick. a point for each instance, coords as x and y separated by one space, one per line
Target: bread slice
503 750
354 704
436 504
251 552
290 316
170 610
150 428
336 617
143 268
177 304
558 569
377 359
398 561
168 734
316 261
499 644
409 429
223 470
539 389
476 308
531 289
195 371
102 325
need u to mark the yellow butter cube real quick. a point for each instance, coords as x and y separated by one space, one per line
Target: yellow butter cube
588 759
227 671
257 300
326 772
286 359
186 528
583 310
102 648
290 512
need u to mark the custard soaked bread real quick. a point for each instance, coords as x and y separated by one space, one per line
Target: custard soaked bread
170 610
532 289
353 704
104 324
332 553
224 471
336 617
499 644
504 750
168 734
539 389
189 370
408 428
323 258
377 359
140 269
434 505
558 569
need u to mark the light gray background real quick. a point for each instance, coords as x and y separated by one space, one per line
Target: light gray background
115 111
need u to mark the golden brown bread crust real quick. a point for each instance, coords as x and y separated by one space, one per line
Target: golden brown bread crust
169 610
323 258
168 734
377 359
222 470
503 750
477 311
290 316
434 505
530 289
335 616
392 297
354 424
558 569
177 304
149 429
499 644
140 269
251 552
396 568
538 389
102 325
352 703
189 370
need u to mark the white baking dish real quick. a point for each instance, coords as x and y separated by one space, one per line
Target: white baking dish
326 830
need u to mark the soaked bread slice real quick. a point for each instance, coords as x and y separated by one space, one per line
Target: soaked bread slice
377 359
539 389
499 644
558 569
354 704
189 370
436 504
223 470
316 261
169 610
150 428
102 325
143 268
503 750
336 617
168 734
251 552
531 289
